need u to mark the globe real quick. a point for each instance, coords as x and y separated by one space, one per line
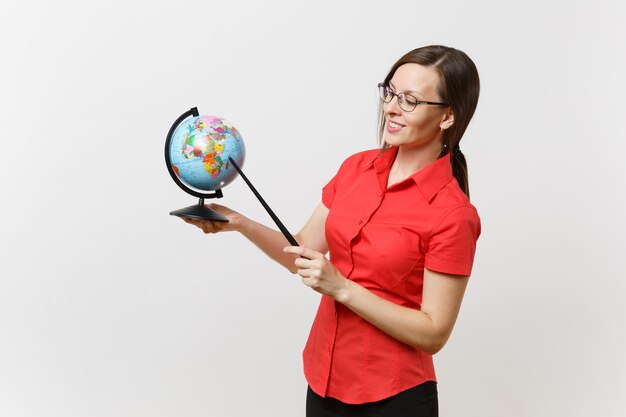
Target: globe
200 149
203 154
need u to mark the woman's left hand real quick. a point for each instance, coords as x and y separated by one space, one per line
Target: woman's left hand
318 273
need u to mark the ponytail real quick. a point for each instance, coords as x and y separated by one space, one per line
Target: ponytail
451 141
459 164
459 170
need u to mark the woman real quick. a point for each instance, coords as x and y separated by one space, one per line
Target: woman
401 233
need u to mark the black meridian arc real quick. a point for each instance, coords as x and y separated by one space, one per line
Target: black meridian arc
197 211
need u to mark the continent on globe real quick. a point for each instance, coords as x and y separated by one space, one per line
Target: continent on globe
200 149
208 144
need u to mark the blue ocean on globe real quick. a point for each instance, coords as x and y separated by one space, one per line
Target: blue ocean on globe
199 152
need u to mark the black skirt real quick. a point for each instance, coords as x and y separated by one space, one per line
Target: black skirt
419 401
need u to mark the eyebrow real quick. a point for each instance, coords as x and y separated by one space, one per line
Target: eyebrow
407 91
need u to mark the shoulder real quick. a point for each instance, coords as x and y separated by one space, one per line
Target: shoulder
451 196
363 158
464 213
350 171
461 219
359 161
455 206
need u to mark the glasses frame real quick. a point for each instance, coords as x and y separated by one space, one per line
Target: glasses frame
401 98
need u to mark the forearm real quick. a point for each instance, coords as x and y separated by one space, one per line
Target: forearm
413 327
270 241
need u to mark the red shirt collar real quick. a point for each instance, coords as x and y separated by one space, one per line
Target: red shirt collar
429 180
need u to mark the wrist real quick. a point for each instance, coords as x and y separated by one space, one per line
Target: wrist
241 224
344 293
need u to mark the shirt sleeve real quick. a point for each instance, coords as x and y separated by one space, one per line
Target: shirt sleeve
330 189
452 245
328 192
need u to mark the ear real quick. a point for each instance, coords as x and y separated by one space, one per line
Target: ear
447 120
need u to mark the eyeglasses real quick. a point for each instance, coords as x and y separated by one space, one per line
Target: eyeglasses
406 101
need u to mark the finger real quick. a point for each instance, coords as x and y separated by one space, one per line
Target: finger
192 221
302 251
303 263
199 223
214 206
309 281
208 227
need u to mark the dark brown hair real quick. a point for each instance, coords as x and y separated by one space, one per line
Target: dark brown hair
459 86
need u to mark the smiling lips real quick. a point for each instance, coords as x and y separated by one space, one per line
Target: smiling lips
393 126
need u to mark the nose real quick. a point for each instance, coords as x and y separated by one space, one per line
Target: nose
392 107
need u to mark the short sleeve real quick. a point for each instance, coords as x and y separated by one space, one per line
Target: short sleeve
452 244
349 170
330 189
328 192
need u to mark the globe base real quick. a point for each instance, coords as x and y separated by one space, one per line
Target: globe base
201 212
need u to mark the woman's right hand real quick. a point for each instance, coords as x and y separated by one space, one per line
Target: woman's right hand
236 220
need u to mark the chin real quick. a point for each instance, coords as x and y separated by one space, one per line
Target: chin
397 142
393 140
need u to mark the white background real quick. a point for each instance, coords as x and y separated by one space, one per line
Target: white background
111 307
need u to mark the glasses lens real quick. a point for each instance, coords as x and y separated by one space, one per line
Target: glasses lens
384 93
407 102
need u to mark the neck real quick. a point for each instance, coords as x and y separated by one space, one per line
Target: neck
409 160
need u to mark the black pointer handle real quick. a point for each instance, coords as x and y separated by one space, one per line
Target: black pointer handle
267 208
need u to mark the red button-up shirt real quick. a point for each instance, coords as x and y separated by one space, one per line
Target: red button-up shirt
383 238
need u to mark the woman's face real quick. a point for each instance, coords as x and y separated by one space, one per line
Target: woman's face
422 126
